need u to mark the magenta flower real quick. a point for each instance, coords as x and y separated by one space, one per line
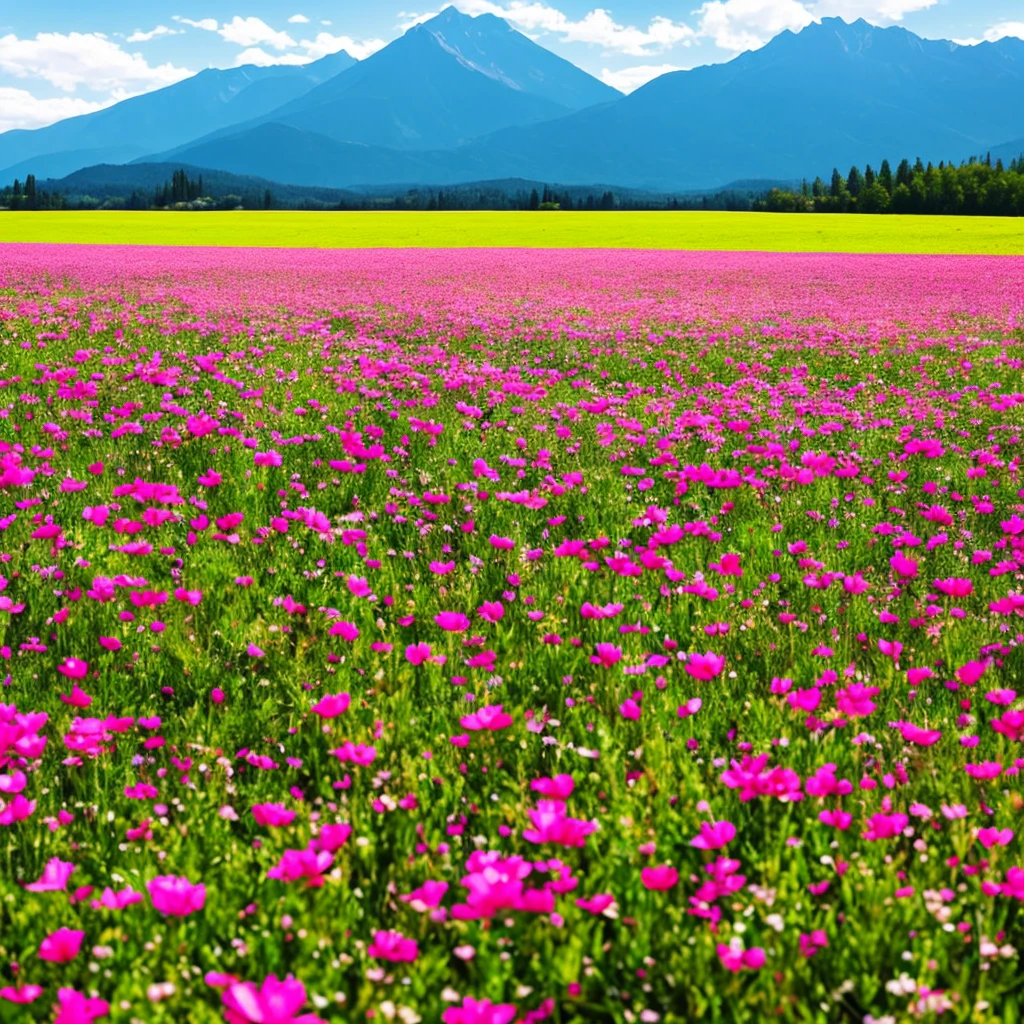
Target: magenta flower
488 719
332 705
61 946
606 655
274 1002
54 877
452 622
176 897
394 947
481 1011
855 701
74 1008
705 666
74 668
659 878
714 835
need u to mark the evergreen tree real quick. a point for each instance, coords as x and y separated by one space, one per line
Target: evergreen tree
885 177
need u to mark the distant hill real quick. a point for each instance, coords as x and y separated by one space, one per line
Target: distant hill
105 181
159 120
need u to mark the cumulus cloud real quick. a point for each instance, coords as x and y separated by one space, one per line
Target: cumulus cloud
325 43
254 32
20 109
748 24
138 36
629 79
206 24
258 56
1002 30
596 27
87 59
884 12
298 19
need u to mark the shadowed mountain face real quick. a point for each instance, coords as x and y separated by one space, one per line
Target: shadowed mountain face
442 84
461 99
832 95
158 120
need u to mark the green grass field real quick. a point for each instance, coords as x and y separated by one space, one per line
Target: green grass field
646 230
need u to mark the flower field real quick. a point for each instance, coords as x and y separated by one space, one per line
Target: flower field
492 636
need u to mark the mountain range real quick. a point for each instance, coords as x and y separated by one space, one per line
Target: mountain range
458 99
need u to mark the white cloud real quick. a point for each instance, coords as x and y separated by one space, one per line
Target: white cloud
597 27
258 56
89 59
325 43
1003 30
20 109
139 36
298 19
628 79
206 24
748 24
254 32
409 19
882 12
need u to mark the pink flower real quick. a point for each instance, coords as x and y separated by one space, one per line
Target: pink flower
254 652
955 587
21 996
629 709
989 837
308 864
416 654
452 622
491 611
74 668
714 835
558 788
394 947
705 666
735 958
332 705
74 1008
488 719
551 824
606 655
885 826
483 1011
274 1002
903 566
272 815
54 877
691 707
346 630
659 878
855 700
176 897
61 946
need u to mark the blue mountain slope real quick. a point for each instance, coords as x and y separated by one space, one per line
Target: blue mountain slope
167 117
443 83
833 95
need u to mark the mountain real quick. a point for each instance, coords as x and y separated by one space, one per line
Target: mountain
834 94
167 117
441 84
1006 151
282 153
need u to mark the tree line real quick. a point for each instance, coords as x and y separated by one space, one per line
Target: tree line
25 196
977 187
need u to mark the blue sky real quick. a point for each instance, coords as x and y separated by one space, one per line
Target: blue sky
62 57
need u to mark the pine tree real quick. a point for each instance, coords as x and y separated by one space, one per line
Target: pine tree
885 176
